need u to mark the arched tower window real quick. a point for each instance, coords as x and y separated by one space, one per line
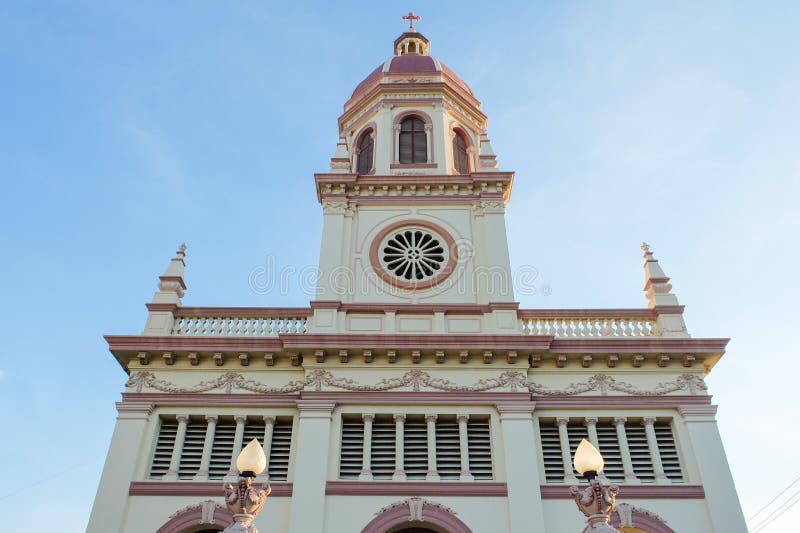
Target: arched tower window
366 148
460 155
413 142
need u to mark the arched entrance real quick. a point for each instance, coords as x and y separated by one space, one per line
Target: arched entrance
415 515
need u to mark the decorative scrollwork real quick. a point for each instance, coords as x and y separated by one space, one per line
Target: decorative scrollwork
604 383
227 381
416 380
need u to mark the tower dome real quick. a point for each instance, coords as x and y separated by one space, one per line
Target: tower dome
412 115
411 59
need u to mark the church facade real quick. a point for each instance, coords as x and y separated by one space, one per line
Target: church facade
414 393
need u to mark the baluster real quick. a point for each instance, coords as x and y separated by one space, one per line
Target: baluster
608 330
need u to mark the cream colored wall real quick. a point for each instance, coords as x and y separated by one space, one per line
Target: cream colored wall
514 434
346 273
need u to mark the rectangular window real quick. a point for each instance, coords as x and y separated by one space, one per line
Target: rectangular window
415 447
610 449
222 447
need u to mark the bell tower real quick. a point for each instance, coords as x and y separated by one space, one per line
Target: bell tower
414 202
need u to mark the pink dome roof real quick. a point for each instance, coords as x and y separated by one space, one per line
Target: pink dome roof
410 64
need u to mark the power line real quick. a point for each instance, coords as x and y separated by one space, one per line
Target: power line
780 510
773 499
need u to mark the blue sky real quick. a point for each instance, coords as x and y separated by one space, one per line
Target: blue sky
129 127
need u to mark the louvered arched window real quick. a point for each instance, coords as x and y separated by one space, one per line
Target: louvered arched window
413 142
460 156
366 148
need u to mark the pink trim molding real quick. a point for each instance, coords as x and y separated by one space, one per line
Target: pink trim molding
413 285
212 400
432 398
401 516
595 401
416 488
194 488
634 492
191 518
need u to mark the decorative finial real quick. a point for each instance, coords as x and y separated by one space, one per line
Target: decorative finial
411 17
182 248
645 247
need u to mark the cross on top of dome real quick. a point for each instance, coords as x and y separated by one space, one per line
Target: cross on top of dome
411 17
411 42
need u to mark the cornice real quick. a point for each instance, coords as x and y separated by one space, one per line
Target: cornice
461 188
633 492
418 488
194 488
638 345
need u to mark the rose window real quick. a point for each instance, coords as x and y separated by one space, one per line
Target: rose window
414 254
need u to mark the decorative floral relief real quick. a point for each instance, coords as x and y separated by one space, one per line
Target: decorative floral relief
416 380
227 381
604 383
415 507
207 509
626 511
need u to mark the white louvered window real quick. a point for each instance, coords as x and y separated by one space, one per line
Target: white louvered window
479 438
668 451
608 441
551 451
192 449
191 454
640 452
415 447
280 449
222 449
447 460
163 452
351 457
383 447
609 448
448 448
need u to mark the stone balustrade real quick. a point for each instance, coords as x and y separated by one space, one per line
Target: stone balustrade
589 323
241 322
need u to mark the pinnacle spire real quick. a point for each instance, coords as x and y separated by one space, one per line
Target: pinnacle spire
171 284
657 286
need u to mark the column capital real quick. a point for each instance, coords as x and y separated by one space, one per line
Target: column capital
648 420
562 421
462 417
431 417
399 417
590 421
269 419
184 418
698 413
212 419
620 420
315 408
368 417
134 410
240 419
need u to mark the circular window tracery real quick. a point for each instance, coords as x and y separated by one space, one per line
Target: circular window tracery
414 254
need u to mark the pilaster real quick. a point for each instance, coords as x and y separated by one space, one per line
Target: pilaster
311 466
525 511
723 502
111 501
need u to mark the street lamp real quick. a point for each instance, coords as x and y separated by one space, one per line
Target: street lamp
596 501
244 499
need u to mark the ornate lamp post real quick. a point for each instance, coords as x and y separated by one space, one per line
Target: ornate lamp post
244 499
596 501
